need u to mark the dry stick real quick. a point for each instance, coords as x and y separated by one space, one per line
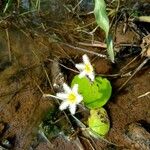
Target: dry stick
143 19
65 53
84 50
69 68
77 5
101 45
90 33
143 95
79 28
8 44
138 68
89 142
42 134
103 75
38 87
64 66
127 44
85 14
2 19
49 81
21 30
129 63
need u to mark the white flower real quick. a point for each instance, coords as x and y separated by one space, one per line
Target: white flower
70 98
86 68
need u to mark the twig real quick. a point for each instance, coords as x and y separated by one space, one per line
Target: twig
143 95
137 69
38 87
43 69
101 45
8 44
77 5
43 136
64 66
143 19
52 96
49 81
129 63
84 50
90 142
103 75
127 45
65 53
79 28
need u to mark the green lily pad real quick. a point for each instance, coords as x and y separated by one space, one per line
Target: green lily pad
98 121
95 94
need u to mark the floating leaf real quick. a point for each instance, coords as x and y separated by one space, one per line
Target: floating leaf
98 121
94 94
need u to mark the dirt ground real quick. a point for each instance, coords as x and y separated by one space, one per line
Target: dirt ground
25 65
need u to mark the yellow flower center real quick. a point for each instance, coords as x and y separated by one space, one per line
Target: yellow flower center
88 68
72 98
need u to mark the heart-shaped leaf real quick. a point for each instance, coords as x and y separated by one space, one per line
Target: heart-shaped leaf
94 94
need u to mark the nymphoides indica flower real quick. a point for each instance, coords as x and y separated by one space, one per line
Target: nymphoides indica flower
70 98
85 68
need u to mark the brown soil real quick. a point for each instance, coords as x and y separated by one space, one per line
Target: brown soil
22 107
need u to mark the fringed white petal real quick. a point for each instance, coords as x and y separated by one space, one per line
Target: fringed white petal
72 109
80 66
67 89
75 88
82 74
79 99
63 105
92 76
62 95
86 59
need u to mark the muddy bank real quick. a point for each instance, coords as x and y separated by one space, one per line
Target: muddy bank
26 50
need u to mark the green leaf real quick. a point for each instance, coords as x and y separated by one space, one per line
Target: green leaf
110 49
102 95
98 121
101 15
103 21
94 94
